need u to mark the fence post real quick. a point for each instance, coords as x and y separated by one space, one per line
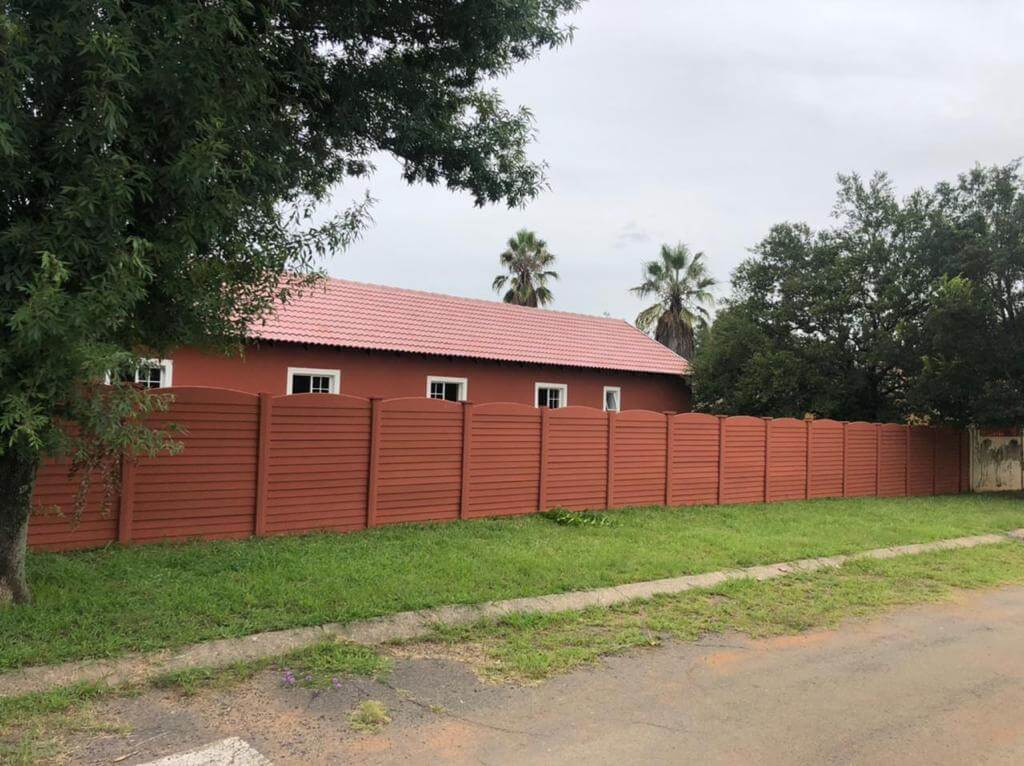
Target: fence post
263 464
542 473
846 453
126 502
767 457
467 438
371 484
670 429
906 474
609 489
721 458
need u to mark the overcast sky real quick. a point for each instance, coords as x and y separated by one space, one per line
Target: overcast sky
707 122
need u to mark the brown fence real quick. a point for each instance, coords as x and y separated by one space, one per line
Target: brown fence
275 464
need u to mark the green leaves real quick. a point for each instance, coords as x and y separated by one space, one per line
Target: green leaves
903 308
162 165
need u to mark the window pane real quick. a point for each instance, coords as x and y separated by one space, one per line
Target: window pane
301 384
149 377
554 398
611 401
320 384
436 390
542 397
451 392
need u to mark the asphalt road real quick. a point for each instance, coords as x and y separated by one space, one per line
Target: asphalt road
939 684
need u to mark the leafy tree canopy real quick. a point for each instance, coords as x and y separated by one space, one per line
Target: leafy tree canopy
904 308
160 164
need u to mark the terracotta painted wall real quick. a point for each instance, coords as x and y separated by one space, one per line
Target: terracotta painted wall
264 369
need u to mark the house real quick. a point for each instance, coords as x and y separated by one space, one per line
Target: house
375 341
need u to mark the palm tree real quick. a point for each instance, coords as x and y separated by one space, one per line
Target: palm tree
682 284
527 261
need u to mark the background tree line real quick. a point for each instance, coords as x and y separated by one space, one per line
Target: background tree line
904 308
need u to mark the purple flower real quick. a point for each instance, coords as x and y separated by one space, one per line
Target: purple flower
289 677
336 683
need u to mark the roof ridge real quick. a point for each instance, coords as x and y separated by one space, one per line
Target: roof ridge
503 304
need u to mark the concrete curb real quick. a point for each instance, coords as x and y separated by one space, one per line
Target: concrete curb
137 668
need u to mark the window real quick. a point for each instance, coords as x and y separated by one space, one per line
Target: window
451 389
303 381
551 395
612 398
152 373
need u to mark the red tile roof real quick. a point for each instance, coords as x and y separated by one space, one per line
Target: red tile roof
355 315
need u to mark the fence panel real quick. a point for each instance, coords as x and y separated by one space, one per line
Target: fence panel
825 464
743 460
504 465
209 488
420 468
295 463
53 524
787 459
577 469
921 461
861 459
638 477
947 461
695 459
892 461
318 463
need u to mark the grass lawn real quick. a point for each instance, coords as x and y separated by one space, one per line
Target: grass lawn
531 647
111 601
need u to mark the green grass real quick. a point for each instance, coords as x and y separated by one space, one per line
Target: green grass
369 716
535 646
115 600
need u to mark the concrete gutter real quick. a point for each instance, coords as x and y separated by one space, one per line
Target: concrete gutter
138 668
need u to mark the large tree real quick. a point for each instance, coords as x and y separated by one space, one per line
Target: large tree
528 264
681 285
160 164
904 308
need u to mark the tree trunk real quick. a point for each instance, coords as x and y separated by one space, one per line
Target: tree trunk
17 479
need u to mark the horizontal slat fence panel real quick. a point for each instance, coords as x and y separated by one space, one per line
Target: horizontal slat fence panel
318 463
825 462
921 461
743 459
577 467
787 459
639 459
54 526
695 459
420 469
300 463
892 461
504 464
209 488
861 453
947 461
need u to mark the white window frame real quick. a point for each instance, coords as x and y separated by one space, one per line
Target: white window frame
463 384
618 400
334 375
166 378
563 400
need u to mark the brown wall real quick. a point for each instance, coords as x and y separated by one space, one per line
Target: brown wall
264 369
269 465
